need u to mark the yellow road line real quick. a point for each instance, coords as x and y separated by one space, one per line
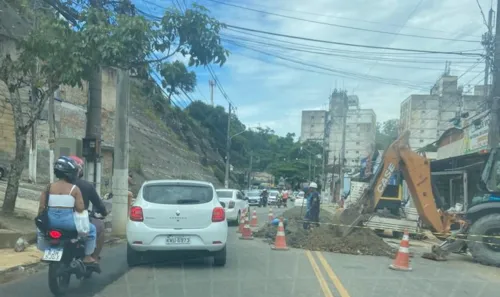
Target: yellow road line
322 282
336 281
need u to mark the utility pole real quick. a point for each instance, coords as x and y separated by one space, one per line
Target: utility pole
309 171
493 138
33 153
228 147
494 102
121 156
52 133
211 83
487 43
92 140
250 170
342 148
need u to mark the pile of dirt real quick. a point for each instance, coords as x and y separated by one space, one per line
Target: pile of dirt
327 237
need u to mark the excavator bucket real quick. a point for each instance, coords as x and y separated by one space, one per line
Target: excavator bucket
349 218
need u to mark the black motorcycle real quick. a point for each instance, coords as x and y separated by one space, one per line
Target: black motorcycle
65 257
263 202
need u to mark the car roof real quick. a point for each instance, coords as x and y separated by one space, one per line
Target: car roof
177 181
227 190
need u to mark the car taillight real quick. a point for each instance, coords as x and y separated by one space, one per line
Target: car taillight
218 214
136 214
231 204
54 234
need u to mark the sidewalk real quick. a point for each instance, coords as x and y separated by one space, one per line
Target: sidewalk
22 223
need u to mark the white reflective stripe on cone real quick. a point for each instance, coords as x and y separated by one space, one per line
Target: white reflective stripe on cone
406 237
404 250
280 233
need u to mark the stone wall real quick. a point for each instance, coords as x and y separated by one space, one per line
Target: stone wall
70 122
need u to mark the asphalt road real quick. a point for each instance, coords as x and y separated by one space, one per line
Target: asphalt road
254 270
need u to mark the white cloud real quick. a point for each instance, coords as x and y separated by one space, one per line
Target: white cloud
273 92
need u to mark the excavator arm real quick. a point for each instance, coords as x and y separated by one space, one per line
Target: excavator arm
417 174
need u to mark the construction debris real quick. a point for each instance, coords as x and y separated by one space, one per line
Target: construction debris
327 237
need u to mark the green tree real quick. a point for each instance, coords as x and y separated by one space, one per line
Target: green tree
110 36
176 78
387 132
391 128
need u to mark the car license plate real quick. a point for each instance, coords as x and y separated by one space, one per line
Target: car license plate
178 240
52 254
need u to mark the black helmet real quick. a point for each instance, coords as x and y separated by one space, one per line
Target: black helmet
66 167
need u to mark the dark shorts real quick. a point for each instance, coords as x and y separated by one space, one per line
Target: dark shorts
99 225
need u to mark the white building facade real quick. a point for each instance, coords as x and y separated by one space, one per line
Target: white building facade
313 125
360 131
428 116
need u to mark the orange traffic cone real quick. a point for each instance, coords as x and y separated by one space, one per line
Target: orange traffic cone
280 241
246 233
253 222
242 223
270 216
402 261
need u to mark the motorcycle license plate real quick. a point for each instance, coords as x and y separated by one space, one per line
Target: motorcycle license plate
52 254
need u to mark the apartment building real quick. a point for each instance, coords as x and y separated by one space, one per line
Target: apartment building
313 125
428 116
360 130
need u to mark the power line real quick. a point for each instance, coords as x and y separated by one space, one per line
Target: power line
343 57
339 26
355 54
344 18
338 72
352 44
399 31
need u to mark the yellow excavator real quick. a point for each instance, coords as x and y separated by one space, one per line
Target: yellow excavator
478 229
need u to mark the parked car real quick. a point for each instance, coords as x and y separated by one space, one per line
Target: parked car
4 170
176 215
234 203
299 200
254 197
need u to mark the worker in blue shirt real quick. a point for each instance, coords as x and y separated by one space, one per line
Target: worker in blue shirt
312 206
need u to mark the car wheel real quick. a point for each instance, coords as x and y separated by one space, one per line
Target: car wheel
134 258
2 173
220 258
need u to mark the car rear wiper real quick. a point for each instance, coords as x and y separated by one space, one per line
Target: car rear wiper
187 201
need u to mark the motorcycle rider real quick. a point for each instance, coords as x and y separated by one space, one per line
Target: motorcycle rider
89 194
263 198
65 198
285 197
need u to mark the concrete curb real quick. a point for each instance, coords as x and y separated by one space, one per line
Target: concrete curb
22 267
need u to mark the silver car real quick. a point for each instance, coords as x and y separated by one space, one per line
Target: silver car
253 197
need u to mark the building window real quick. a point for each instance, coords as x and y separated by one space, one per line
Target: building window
357 142
421 131
357 152
421 140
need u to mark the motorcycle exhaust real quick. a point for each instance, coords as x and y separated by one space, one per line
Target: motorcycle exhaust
78 268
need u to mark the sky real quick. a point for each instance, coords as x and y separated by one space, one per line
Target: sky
271 79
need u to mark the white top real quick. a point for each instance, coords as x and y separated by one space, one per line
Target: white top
62 200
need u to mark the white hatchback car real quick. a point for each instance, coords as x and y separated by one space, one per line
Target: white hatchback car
234 203
177 215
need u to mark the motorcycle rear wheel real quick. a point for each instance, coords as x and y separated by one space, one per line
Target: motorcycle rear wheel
58 283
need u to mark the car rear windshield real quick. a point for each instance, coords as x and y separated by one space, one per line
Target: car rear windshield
254 193
177 194
225 194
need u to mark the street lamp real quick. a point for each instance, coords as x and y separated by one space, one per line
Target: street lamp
228 148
